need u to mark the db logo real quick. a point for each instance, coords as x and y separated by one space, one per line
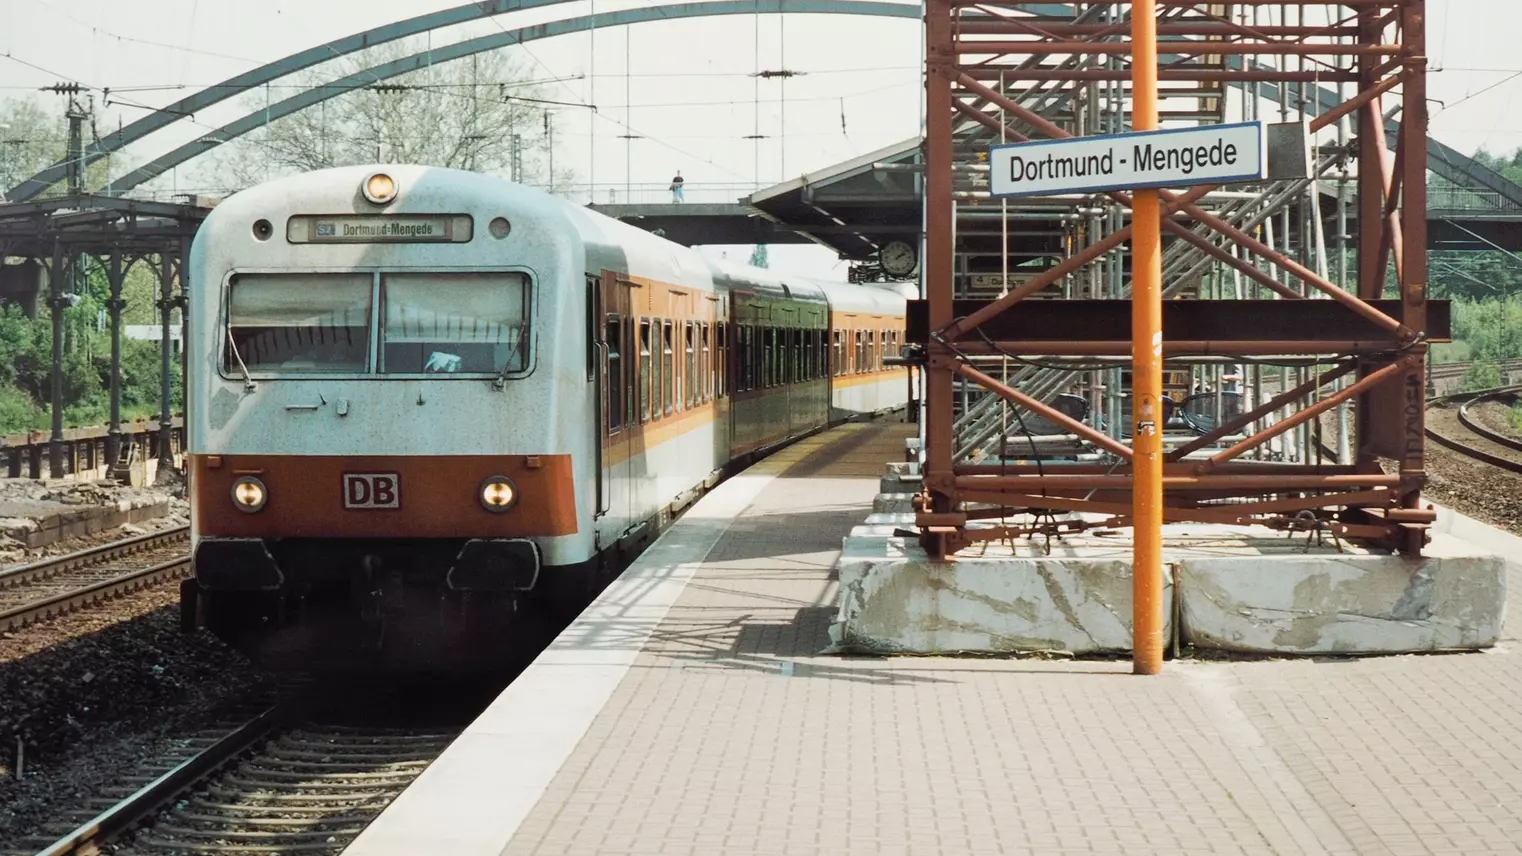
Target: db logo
372 490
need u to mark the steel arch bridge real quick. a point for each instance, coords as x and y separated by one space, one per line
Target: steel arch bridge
1441 158
302 60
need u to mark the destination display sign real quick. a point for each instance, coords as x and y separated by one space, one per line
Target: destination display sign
1181 157
379 229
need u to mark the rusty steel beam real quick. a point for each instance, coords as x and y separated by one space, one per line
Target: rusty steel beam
940 404
1298 481
1194 27
1314 326
1035 48
1366 382
1261 410
1380 48
986 72
1186 204
1215 252
1093 436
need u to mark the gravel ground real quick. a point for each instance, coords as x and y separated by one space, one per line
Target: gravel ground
93 695
1463 484
1495 416
1468 486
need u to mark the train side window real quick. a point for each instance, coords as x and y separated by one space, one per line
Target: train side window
694 381
670 388
766 357
835 353
644 370
613 377
739 346
795 355
721 361
631 396
707 362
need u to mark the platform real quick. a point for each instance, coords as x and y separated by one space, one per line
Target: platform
689 711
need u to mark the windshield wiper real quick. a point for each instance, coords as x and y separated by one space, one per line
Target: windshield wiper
248 381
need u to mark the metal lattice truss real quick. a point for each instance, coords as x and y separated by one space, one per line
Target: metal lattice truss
1272 328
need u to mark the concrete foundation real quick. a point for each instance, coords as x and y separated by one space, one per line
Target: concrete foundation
65 509
1453 598
894 599
1243 589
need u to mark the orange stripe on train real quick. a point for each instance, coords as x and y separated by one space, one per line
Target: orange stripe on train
437 496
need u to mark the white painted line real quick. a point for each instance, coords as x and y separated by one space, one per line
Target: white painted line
472 799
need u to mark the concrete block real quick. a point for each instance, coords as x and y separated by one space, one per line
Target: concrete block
898 518
894 599
1452 598
903 468
896 483
893 503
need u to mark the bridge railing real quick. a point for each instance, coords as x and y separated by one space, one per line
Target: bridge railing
84 449
648 193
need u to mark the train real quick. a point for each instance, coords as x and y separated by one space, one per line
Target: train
428 405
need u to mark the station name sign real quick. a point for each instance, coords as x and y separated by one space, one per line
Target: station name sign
379 229
1214 154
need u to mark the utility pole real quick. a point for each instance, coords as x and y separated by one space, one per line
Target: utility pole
1147 367
549 134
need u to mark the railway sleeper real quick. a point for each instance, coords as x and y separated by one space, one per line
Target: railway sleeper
273 761
223 849
266 824
324 835
299 758
327 798
359 731
262 779
377 802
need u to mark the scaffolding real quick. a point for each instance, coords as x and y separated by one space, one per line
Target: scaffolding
1296 385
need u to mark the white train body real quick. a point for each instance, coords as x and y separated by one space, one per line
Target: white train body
424 398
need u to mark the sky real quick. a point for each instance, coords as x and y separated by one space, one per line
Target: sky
685 88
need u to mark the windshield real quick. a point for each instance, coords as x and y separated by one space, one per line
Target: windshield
449 323
293 323
430 323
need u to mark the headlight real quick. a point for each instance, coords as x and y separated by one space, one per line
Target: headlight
249 494
498 493
379 188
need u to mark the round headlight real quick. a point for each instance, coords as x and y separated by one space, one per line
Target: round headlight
380 188
249 494
498 493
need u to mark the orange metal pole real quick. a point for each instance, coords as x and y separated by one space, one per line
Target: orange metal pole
1146 366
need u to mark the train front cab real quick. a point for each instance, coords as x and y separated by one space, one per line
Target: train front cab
379 450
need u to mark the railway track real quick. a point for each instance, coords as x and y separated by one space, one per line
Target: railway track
60 585
1453 371
278 783
1487 446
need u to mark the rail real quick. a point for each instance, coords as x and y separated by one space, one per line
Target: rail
57 586
1464 400
122 817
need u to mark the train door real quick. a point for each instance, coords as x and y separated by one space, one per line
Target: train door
617 420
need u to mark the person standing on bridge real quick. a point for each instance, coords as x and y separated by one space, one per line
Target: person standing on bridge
676 187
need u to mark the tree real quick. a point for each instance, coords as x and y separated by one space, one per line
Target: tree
758 257
34 135
479 113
